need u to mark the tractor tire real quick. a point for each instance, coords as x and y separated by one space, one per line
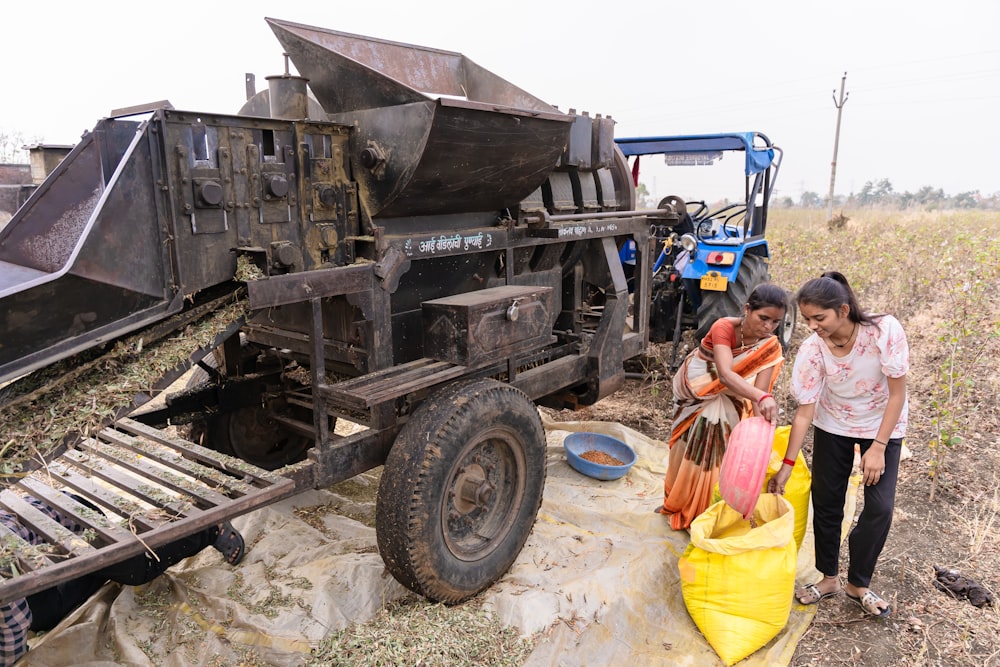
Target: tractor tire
787 326
753 271
460 489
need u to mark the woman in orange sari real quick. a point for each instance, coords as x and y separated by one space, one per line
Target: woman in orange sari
728 377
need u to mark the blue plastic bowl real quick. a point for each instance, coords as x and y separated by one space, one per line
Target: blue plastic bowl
577 444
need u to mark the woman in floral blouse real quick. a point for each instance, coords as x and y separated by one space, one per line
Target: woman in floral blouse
849 379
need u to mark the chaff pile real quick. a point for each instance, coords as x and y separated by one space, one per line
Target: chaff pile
80 395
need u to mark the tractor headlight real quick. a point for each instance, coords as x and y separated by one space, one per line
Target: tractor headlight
689 242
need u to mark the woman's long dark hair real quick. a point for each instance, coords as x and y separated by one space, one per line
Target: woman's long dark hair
831 290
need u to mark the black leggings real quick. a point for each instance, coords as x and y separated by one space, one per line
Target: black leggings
833 460
50 606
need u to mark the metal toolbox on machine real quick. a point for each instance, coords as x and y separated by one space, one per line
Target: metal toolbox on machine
476 328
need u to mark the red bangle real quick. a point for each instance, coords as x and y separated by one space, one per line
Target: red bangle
789 462
761 399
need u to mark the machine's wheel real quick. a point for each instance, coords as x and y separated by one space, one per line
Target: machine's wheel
249 432
460 489
252 434
787 326
753 271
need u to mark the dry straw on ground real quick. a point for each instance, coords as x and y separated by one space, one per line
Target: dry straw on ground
417 633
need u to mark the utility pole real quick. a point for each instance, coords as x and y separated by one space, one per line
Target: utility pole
836 143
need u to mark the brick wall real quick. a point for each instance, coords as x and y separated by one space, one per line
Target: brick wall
15 186
11 198
15 174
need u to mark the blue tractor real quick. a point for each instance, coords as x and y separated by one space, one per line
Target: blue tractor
711 257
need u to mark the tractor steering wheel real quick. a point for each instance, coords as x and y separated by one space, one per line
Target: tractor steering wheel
700 212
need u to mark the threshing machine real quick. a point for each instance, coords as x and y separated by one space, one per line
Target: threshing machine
406 242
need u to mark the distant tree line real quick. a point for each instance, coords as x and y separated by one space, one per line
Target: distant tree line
881 194
12 147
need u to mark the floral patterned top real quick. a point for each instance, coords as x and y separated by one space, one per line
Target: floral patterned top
851 392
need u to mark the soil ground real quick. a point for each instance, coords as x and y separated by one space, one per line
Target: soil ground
957 530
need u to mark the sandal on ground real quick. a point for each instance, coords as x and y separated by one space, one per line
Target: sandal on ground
811 594
869 602
230 543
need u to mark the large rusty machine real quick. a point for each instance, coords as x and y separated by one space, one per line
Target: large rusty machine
417 247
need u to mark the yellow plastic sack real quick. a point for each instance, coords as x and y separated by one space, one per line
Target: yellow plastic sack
737 581
799 484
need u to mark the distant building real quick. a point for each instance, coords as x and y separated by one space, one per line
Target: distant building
44 158
18 181
15 187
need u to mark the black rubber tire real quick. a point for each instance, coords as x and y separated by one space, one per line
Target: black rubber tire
753 271
250 434
479 436
787 326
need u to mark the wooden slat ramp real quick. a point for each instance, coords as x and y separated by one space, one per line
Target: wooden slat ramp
152 488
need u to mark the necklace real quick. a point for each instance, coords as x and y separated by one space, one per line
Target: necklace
840 345
742 344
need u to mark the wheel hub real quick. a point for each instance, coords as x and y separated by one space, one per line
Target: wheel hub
475 490
476 511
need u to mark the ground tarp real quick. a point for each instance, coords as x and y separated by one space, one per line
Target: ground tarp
597 581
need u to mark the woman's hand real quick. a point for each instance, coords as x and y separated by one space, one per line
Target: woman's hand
768 408
873 464
777 482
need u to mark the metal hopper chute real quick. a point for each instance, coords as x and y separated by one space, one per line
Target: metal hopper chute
436 132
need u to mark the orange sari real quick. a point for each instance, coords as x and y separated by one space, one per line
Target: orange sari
706 414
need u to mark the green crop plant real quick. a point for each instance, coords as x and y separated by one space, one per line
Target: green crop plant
939 274
970 333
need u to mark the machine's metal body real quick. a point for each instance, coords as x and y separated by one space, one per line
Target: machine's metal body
437 233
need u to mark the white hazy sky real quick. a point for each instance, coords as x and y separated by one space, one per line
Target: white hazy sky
923 78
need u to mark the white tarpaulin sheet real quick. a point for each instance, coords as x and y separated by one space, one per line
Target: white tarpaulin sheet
597 580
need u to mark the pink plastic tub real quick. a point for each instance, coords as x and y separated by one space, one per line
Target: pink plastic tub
744 464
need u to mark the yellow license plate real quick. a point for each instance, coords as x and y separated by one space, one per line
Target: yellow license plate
714 281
